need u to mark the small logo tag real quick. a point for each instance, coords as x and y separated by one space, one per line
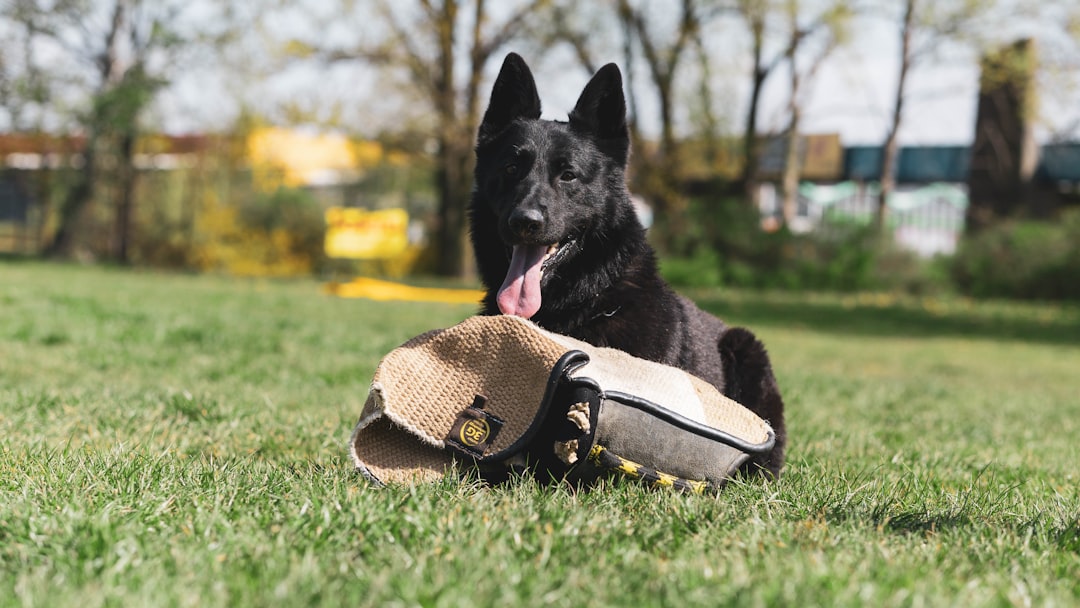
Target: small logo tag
474 430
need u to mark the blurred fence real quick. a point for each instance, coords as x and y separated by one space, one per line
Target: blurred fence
925 219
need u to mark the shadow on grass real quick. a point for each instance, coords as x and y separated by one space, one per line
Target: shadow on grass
923 522
912 522
1064 536
1068 537
1049 324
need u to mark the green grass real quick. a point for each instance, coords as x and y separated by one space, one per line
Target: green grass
180 440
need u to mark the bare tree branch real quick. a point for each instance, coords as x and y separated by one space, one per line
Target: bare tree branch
578 40
512 27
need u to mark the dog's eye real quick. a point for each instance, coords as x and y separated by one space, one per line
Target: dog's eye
567 176
511 169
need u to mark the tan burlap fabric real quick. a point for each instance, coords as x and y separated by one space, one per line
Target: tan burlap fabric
420 388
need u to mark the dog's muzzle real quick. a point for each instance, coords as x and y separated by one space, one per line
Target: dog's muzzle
498 393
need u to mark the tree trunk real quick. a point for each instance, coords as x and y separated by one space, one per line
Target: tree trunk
667 133
44 195
708 116
450 235
789 185
125 198
455 186
890 149
82 192
628 60
888 182
750 141
790 182
77 199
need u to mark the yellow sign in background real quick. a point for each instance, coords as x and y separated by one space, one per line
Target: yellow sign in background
360 234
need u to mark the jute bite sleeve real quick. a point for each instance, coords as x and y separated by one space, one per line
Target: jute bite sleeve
498 393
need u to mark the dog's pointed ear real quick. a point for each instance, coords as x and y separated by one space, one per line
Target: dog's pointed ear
513 96
601 108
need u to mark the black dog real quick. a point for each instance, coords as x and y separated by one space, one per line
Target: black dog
557 241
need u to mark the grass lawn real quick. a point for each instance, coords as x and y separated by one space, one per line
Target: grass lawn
180 440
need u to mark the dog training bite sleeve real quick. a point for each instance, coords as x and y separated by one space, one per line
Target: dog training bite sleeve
498 391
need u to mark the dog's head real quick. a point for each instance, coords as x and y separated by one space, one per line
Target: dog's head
544 186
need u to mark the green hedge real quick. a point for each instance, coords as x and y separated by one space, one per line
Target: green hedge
856 262
1022 259
1017 259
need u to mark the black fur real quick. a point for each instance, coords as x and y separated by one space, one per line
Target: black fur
542 182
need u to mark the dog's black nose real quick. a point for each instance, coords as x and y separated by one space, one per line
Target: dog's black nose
526 222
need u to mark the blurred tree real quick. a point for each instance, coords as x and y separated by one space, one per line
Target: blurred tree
923 26
704 106
22 85
812 37
433 40
662 61
659 178
110 60
24 91
756 14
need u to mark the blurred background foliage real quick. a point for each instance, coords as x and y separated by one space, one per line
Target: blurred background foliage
110 153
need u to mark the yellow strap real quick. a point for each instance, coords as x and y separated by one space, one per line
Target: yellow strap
606 459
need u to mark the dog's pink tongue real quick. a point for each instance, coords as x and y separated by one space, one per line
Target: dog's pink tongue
520 291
